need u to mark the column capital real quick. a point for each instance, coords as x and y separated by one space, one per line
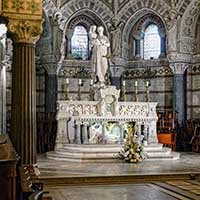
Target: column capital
179 68
51 68
25 31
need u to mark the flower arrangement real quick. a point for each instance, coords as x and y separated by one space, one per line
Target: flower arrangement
132 150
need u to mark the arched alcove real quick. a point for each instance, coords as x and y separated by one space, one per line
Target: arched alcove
136 37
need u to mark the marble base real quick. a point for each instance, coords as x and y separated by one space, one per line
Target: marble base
107 153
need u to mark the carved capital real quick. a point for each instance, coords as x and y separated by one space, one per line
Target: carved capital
179 68
25 31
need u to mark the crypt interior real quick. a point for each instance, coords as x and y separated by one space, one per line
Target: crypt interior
62 127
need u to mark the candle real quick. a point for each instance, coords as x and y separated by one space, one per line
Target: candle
79 81
67 81
136 83
147 83
91 82
123 83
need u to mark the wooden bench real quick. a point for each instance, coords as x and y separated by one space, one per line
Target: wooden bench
167 129
31 189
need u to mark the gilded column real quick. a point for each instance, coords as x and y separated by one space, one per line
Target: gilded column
23 124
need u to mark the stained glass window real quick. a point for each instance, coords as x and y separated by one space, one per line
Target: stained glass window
80 43
151 42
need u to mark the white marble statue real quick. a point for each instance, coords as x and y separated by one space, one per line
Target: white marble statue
100 44
172 33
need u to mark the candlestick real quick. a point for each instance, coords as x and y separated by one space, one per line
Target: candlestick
67 90
79 89
136 91
136 83
147 91
123 91
91 92
91 82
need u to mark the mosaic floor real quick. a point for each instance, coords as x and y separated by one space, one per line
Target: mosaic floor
183 190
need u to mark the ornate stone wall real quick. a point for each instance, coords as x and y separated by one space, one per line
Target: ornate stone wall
180 15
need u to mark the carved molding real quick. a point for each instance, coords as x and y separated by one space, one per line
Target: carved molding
179 68
27 7
25 31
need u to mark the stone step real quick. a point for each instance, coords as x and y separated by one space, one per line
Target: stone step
171 156
87 154
107 153
107 148
63 157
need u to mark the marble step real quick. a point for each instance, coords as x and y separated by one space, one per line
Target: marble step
91 154
156 157
93 148
63 157
107 153
107 148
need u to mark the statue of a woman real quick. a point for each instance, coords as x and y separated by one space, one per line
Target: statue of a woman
172 33
100 45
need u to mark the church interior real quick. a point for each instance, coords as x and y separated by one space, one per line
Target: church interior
99 99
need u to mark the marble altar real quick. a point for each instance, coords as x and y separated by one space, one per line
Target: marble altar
77 119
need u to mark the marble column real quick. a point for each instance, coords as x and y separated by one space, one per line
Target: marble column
23 123
121 140
78 133
51 89
179 90
85 132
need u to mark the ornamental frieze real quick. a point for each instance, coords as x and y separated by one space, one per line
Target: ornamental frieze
22 6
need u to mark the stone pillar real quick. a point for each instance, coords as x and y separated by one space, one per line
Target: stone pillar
23 123
78 133
62 136
85 133
103 132
179 90
121 140
50 88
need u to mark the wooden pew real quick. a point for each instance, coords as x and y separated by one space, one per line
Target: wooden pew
167 129
31 188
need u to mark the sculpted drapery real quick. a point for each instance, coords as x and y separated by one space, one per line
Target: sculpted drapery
100 44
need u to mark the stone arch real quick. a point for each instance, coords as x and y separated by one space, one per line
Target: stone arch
189 19
197 36
138 20
98 8
85 17
132 7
